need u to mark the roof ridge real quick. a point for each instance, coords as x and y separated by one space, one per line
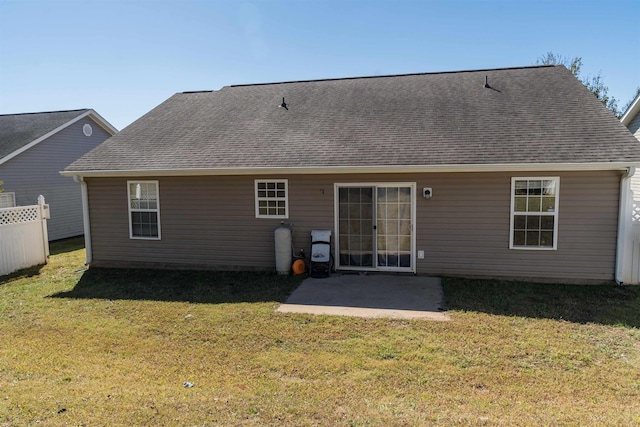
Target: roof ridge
197 91
46 112
387 75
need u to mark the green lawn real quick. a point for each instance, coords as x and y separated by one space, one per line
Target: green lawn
109 348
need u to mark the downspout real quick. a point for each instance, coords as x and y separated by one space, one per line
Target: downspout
624 216
85 217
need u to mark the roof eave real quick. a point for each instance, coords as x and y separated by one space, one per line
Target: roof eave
631 112
313 170
108 127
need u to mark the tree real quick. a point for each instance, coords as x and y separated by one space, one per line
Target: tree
573 64
594 83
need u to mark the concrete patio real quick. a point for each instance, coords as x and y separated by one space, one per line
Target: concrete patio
369 295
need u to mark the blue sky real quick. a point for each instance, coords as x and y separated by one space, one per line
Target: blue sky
122 58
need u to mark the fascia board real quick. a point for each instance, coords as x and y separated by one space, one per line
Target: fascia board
108 127
633 110
519 167
95 116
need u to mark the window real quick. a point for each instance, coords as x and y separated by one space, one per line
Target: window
534 213
271 198
7 200
144 210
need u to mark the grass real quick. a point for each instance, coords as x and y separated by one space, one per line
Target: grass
605 304
103 347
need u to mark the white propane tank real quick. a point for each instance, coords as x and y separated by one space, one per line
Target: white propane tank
283 250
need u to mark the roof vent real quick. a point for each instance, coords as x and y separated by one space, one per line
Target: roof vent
486 82
284 104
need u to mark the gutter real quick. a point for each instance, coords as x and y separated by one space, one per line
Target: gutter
85 218
236 171
624 212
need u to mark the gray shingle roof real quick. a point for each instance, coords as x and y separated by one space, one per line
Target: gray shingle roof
527 115
18 130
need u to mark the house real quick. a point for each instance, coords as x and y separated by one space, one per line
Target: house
515 173
34 148
631 119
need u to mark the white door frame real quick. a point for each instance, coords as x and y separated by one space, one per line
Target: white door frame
336 216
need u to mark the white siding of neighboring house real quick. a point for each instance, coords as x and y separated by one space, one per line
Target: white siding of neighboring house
634 127
635 187
36 171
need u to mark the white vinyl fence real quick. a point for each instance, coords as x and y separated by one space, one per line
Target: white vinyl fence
23 236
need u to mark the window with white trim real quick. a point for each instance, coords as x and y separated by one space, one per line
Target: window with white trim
144 210
7 200
534 213
272 198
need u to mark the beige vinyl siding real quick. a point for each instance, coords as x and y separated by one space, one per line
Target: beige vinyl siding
206 223
209 222
36 171
465 231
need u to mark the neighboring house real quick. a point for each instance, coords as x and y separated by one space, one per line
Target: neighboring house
631 119
513 173
34 148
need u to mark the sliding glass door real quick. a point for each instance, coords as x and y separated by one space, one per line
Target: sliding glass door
375 226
